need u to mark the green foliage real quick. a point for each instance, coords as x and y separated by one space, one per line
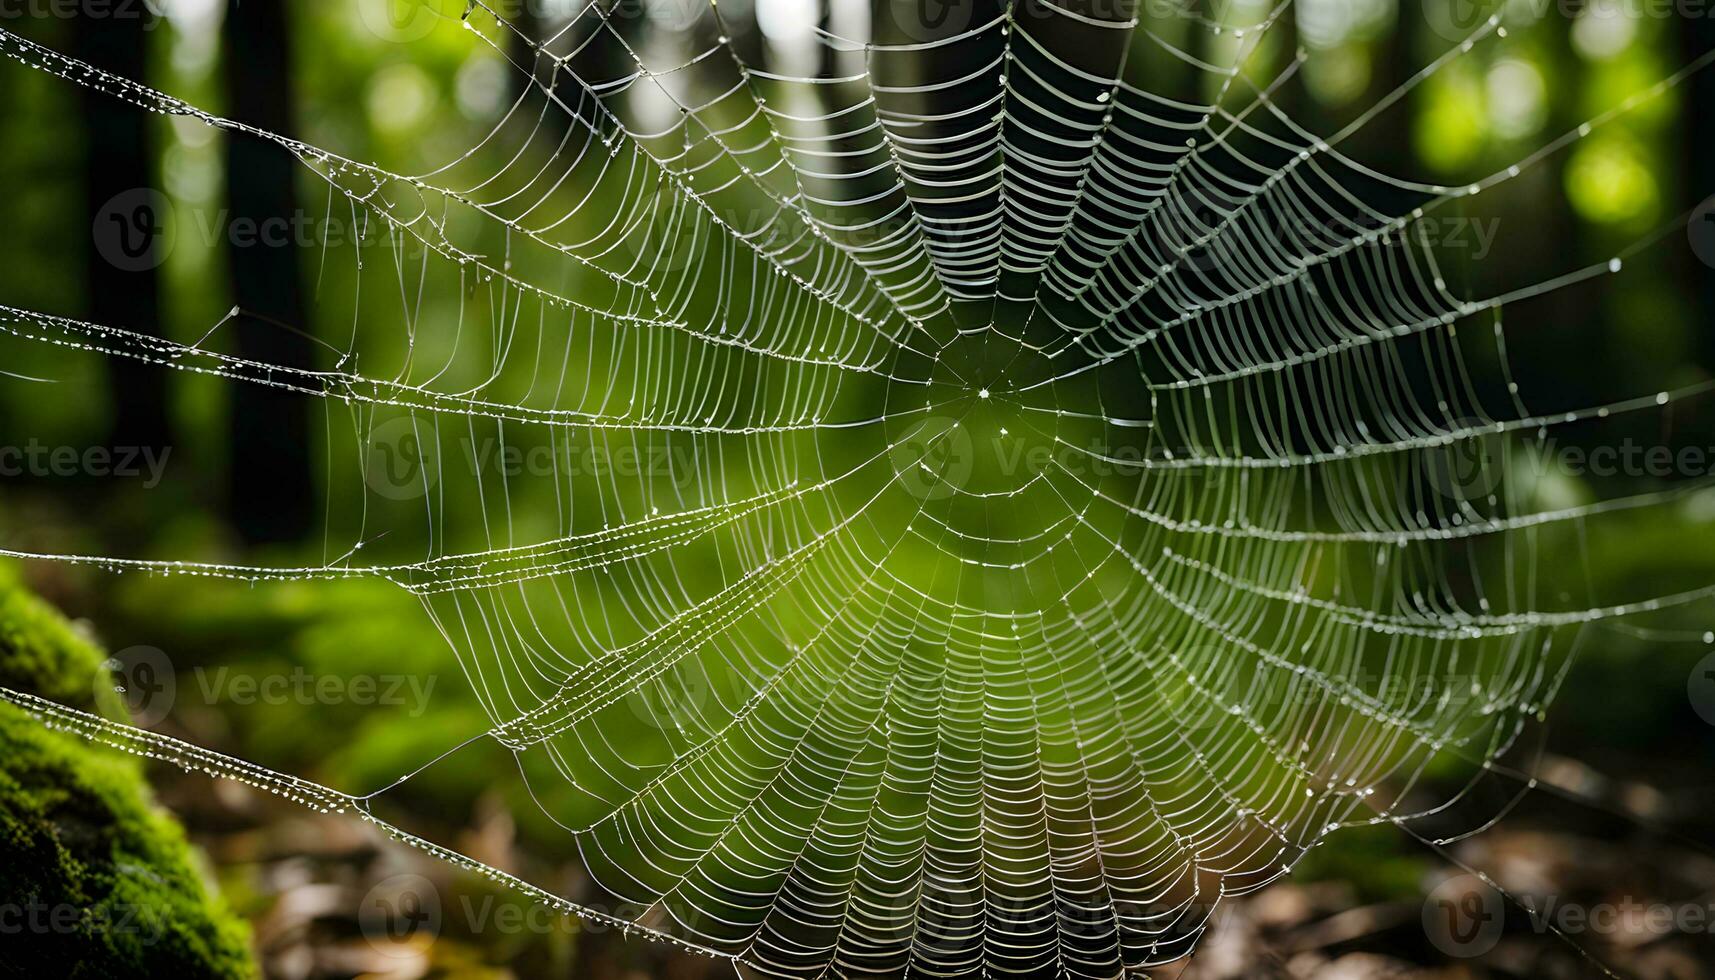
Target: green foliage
97 880
1375 861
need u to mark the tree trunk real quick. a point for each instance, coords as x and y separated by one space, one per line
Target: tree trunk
270 482
126 218
1698 126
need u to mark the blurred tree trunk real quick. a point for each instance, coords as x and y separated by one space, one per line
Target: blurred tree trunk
1397 58
1698 146
125 217
1402 57
521 44
270 484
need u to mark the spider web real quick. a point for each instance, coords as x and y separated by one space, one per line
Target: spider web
993 503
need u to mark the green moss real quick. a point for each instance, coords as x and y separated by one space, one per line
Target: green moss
95 880
42 653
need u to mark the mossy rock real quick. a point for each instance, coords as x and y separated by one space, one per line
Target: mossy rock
42 653
95 880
